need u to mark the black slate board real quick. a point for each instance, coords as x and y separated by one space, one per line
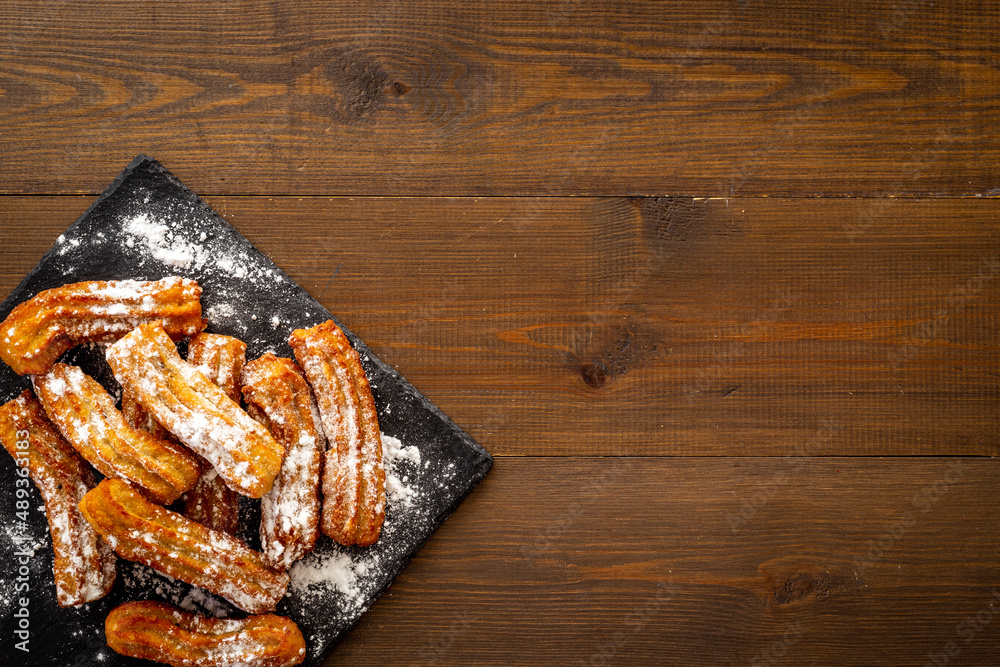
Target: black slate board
146 226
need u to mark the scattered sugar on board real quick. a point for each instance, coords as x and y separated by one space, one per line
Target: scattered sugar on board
396 481
200 601
170 237
230 272
25 545
325 571
140 579
315 576
161 242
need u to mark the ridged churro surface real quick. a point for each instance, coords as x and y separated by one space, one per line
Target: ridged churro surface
163 633
220 359
139 418
86 416
170 543
39 330
195 410
84 564
353 473
278 396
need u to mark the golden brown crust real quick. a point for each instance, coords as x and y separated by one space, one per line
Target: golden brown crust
39 330
211 502
84 564
221 359
278 396
170 543
86 416
161 632
195 410
353 474
138 418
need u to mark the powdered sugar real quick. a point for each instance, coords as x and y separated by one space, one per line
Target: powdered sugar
394 451
141 580
171 238
27 544
221 311
57 386
247 296
290 510
201 601
181 240
326 572
397 479
350 572
160 242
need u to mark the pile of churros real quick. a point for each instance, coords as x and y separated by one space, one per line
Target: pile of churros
189 438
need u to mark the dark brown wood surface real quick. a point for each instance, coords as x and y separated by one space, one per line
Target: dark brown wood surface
505 98
604 326
743 387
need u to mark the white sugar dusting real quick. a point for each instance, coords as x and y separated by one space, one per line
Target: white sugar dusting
161 243
167 238
333 570
140 579
201 601
397 486
317 574
393 451
221 311
182 241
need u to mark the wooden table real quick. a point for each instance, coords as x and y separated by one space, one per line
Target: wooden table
716 283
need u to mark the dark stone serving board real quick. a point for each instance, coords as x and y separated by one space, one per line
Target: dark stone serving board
146 226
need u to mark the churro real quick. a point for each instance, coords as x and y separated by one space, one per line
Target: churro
39 330
195 410
170 543
353 474
138 418
84 564
86 416
161 632
220 359
278 396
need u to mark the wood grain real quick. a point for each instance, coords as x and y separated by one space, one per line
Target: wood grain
717 282
638 561
716 98
608 326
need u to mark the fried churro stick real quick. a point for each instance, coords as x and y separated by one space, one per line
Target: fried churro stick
161 632
84 563
137 417
195 410
212 503
170 543
354 474
37 331
221 360
209 501
278 396
86 416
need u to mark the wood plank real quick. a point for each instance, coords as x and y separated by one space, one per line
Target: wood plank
657 326
509 97
637 561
